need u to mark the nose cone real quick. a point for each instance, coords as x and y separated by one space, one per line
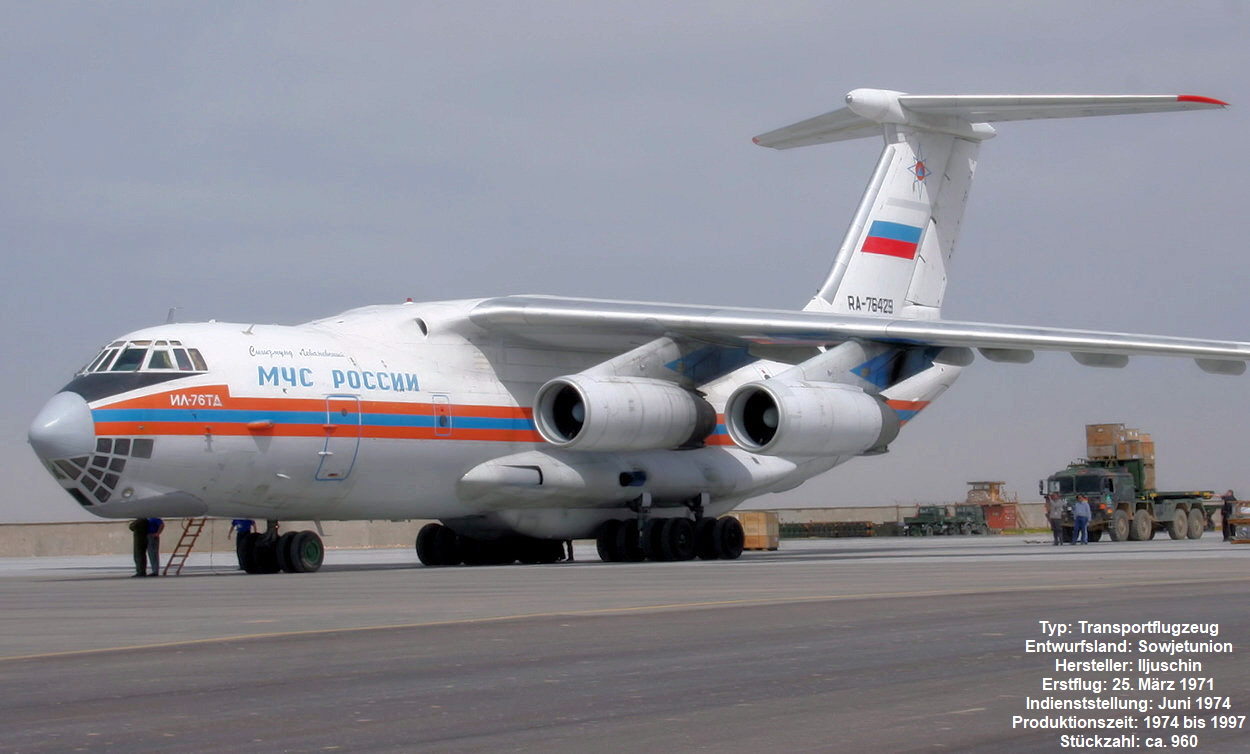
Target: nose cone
63 429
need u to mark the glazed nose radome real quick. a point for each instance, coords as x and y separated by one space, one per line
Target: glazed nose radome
63 429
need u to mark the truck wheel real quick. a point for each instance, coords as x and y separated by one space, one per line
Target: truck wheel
1178 527
1142 528
1119 529
1197 523
1095 535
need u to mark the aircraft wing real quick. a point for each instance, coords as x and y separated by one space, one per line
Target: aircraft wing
608 325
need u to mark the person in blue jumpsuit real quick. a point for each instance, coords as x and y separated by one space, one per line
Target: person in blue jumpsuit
1080 520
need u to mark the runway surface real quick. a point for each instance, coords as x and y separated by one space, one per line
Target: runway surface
825 645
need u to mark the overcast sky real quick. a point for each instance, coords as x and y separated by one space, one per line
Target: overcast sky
277 162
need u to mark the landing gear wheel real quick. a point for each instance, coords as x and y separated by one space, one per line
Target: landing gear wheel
1141 529
247 552
283 552
307 552
653 539
605 541
677 539
628 544
438 545
705 538
1178 527
262 553
1119 527
729 538
1197 523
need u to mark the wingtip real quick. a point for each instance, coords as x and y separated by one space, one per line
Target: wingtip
1201 100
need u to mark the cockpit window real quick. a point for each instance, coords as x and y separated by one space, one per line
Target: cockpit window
130 360
160 359
102 361
147 356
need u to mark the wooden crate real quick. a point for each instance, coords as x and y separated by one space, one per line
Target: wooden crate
762 529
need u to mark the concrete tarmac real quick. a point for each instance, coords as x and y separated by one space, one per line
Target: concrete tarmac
825 645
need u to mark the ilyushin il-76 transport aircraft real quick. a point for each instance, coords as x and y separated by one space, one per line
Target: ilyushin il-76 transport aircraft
522 421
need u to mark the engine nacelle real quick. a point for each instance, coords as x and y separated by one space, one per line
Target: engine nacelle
799 418
588 412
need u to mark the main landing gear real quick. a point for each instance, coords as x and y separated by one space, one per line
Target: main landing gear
292 552
438 545
667 539
618 541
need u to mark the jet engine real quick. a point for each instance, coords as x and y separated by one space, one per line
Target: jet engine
800 418
589 412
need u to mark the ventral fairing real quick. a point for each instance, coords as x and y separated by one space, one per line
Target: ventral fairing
522 421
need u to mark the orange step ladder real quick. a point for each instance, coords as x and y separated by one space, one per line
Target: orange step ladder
191 529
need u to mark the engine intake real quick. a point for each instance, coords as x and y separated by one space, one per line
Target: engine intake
588 412
808 419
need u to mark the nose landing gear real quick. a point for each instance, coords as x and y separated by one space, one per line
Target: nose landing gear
292 552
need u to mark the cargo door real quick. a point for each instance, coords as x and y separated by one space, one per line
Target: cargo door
342 429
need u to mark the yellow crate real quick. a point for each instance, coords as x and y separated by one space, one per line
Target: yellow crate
762 529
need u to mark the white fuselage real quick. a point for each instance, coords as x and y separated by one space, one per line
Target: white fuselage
387 412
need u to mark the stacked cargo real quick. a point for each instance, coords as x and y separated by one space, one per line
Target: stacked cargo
1115 442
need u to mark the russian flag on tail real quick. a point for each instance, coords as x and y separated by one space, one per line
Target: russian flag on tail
892 239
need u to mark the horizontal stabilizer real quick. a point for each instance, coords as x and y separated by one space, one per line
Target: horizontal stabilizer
964 115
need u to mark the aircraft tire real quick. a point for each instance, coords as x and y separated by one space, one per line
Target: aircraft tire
1140 529
653 539
449 546
307 552
677 539
1178 527
247 553
1119 527
473 551
729 538
605 541
283 552
705 539
1197 523
264 554
628 544
429 541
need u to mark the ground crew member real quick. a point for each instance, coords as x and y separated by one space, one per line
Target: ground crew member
1080 520
1054 514
1226 512
155 527
139 532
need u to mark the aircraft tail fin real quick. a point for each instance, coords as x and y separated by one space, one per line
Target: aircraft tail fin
894 259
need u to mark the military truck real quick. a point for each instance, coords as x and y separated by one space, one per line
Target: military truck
969 519
929 519
1118 482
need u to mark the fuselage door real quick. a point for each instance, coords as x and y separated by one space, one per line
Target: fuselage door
342 438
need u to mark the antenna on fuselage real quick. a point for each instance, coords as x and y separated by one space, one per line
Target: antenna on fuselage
169 318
